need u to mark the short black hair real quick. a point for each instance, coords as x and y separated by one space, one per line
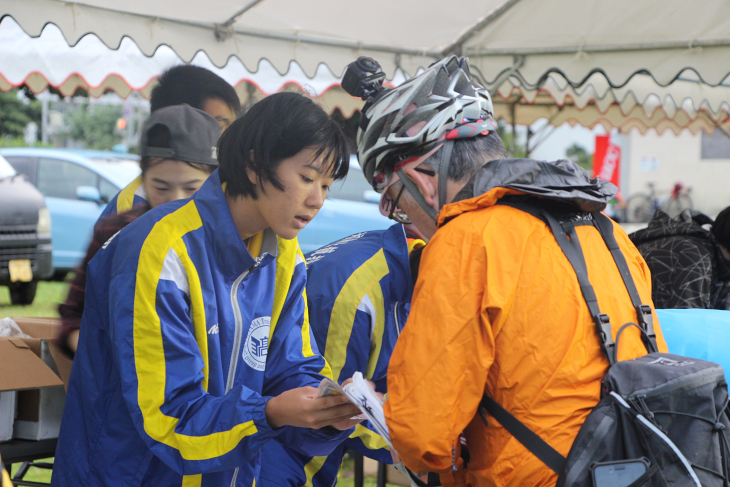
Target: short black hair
192 85
276 128
469 155
159 136
721 228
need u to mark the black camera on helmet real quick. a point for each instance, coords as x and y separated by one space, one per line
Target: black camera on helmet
363 78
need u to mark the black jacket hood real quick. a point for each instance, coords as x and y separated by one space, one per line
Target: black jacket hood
562 181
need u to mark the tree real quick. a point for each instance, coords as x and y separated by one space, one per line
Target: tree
95 126
504 132
579 155
15 114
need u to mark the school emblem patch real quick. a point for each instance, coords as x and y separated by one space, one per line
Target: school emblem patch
257 343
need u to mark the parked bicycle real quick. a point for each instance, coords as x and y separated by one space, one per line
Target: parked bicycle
640 208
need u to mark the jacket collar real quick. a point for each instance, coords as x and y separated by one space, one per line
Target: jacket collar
220 231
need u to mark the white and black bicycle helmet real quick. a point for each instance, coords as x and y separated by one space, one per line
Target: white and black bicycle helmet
445 97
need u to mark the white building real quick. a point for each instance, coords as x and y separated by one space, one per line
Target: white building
699 161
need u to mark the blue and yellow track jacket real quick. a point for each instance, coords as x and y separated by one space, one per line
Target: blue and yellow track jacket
184 338
133 194
359 292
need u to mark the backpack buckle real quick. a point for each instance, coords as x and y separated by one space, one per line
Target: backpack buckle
643 311
646 321
603 323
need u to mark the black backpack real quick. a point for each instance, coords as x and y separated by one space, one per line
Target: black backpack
662 419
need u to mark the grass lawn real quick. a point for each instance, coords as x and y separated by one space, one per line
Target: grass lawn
49 295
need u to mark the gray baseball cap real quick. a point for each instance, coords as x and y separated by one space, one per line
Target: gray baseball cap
193 135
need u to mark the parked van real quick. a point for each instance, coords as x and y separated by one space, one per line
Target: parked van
25 236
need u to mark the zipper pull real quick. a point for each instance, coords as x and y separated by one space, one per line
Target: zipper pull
256 263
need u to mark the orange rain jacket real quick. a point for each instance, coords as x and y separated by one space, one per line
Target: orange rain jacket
497 309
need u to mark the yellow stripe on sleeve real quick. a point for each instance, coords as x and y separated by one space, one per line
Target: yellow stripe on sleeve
286 262
376 341
365 279
192 480
198 306
370 438
149 354
311 469
125 198
306 339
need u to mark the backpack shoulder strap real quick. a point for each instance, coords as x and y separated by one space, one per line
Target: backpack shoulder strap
644 314
574 253
529 439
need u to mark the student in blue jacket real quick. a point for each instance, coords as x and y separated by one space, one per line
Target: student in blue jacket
359 293
195 348
185 84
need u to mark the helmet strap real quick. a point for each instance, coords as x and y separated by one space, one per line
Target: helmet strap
413 190
443 170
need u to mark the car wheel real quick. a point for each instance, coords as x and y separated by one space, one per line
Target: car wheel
22 293
59 276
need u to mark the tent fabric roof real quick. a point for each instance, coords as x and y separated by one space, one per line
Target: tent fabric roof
574 38
92 66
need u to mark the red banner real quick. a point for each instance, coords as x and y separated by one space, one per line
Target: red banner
607 159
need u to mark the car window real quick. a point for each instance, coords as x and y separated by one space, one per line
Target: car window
123 171
6 170
107 190
59 179
23 165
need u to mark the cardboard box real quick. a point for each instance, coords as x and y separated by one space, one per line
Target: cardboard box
40 410
48 329
21 369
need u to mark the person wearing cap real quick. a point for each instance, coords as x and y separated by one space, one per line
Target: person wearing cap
195 348
178 154
497 309
184 84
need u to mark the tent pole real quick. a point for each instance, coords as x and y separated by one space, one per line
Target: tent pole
513 143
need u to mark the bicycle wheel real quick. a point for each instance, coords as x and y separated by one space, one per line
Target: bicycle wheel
673 207
639 209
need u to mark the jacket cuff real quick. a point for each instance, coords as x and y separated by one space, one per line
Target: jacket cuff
454 478
262 425
319 442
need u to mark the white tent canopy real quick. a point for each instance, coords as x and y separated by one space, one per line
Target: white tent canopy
530 37
92 66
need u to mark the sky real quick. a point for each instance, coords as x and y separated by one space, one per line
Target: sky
563 137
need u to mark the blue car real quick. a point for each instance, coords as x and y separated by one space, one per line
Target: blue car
76 184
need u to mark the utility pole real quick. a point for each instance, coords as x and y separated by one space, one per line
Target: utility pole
45 99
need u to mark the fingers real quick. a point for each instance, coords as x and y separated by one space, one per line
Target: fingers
299 407
338 412
331 401
346 424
